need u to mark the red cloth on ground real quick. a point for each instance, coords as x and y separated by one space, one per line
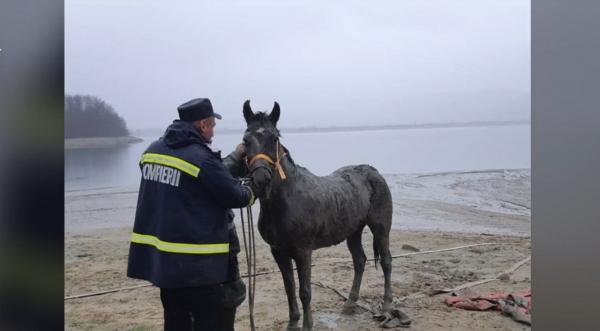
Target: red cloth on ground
517 304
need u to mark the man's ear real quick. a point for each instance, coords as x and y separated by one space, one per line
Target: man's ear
197 125
200 125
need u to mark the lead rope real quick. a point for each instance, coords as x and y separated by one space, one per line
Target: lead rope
251 225
278 163
250 260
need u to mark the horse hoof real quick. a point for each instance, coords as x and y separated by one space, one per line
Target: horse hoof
293 326
350 308
387 307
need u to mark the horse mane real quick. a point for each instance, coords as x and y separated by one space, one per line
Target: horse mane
287 153
263 118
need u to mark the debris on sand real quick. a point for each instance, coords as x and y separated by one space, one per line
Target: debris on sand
411 248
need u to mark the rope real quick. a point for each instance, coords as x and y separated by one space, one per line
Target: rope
276 163
423 295
294 268
250 260
251 226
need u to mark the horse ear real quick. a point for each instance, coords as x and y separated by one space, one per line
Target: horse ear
274 115
248 113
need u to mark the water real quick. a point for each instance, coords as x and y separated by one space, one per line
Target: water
390 151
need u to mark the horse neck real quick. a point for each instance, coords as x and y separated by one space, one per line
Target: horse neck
292 170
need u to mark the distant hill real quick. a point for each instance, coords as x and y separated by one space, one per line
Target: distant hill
88 116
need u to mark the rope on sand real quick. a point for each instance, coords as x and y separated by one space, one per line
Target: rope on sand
393 256
483 281
105 292
313 265
469 284
358 302
422 295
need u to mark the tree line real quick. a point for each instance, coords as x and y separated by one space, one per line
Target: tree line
90 116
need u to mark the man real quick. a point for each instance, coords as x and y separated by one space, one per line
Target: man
183 239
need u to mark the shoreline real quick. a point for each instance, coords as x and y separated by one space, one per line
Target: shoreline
495 201
100 142
416 174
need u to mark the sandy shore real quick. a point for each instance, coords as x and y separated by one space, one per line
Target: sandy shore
99 142
432 211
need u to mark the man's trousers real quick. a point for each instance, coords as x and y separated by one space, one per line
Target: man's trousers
197 309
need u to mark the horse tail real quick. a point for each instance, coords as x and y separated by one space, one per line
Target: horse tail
380 209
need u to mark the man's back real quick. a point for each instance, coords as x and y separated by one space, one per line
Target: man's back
180 236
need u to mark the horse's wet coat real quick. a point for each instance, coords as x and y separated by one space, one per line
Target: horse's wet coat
306 212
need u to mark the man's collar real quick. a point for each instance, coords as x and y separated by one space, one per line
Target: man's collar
212 148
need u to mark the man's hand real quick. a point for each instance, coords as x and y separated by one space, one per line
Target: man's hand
241 149
247 183
252 196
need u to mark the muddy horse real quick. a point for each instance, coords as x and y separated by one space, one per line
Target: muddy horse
301 212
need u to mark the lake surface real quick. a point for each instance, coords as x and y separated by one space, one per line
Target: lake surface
398 151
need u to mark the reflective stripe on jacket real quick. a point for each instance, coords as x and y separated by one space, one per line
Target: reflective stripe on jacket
180 236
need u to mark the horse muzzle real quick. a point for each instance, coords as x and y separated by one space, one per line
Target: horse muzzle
261 175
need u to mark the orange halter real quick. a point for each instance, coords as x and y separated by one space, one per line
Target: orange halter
267 158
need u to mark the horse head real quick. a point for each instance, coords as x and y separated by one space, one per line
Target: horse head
263 150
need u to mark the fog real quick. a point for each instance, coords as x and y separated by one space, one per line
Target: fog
331 63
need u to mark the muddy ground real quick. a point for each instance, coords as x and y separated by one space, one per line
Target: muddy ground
432 211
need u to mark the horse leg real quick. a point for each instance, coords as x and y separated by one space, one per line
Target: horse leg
284 262
381 242
303 261
359 259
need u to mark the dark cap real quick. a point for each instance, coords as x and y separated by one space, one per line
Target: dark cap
196 109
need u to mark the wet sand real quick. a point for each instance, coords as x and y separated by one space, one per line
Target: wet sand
431 211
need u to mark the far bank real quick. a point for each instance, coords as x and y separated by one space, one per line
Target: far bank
100 142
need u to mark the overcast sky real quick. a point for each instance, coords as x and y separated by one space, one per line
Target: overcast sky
326 62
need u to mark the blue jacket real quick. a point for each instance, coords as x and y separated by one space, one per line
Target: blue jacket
180 236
